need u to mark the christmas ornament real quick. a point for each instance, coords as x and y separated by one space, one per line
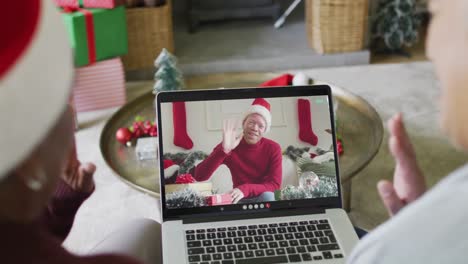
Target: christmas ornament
139 128
123 135
308 180
339 146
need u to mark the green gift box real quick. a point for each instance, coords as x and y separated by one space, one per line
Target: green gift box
96 34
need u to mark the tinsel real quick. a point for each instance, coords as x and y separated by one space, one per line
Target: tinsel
327 187
185 198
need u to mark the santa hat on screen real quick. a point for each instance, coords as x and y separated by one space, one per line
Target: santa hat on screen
36 74
170 168
262 107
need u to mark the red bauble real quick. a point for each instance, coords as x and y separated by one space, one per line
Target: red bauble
123 135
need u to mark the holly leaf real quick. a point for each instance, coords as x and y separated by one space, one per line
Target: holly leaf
139 118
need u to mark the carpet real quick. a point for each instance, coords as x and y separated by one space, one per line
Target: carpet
248 45
408 88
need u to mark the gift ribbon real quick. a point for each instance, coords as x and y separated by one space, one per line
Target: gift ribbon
89 22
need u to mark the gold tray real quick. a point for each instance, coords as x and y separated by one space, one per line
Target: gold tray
358 123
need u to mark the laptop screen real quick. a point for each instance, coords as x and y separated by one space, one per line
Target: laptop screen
247 150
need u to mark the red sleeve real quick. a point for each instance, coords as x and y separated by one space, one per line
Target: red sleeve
205 169
60 213
273 177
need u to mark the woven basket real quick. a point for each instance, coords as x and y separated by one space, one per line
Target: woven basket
336 25
149 31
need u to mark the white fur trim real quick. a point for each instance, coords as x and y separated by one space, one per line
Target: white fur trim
34 92
261 110
169 171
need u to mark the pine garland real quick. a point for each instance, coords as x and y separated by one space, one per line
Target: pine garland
186 161
185 198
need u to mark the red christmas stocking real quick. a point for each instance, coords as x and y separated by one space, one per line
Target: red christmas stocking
181 138
305 122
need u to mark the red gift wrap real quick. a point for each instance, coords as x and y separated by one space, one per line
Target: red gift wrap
219 199
185 178
89 3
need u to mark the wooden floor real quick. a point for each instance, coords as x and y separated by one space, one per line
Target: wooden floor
417 53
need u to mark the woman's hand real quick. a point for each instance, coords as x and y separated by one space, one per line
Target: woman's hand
79 176
231 138
408 181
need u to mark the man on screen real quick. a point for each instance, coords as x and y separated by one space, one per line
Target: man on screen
255 162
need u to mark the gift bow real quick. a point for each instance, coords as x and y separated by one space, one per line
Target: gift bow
185 178
90 37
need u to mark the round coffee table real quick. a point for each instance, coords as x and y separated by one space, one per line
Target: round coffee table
358 123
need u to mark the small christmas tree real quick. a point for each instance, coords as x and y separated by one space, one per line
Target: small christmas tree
168 77
396 24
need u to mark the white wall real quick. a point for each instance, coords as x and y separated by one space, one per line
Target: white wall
204 121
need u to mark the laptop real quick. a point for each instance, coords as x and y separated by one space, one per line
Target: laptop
273 197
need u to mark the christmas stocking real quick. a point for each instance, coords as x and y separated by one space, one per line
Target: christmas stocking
181 138
305 122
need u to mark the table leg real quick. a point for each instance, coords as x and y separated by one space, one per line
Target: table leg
346 191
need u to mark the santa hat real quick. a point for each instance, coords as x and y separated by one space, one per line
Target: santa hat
170 168
36 73
262 107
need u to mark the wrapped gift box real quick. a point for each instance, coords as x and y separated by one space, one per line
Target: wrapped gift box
89 3
219 199
100 85
204 188
96 34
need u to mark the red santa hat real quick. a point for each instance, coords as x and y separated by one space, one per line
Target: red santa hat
36 73
170 168
262 107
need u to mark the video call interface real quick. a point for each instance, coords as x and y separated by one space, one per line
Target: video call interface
249 152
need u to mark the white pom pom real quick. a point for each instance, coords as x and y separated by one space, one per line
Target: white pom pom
300 79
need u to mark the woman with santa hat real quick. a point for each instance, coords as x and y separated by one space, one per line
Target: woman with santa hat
42 184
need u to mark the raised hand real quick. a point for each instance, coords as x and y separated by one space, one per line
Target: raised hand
231 138
408 181
79 176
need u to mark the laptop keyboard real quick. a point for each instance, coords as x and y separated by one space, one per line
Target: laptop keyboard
267 243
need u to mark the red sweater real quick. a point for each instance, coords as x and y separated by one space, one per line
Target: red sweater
40 242
255 169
